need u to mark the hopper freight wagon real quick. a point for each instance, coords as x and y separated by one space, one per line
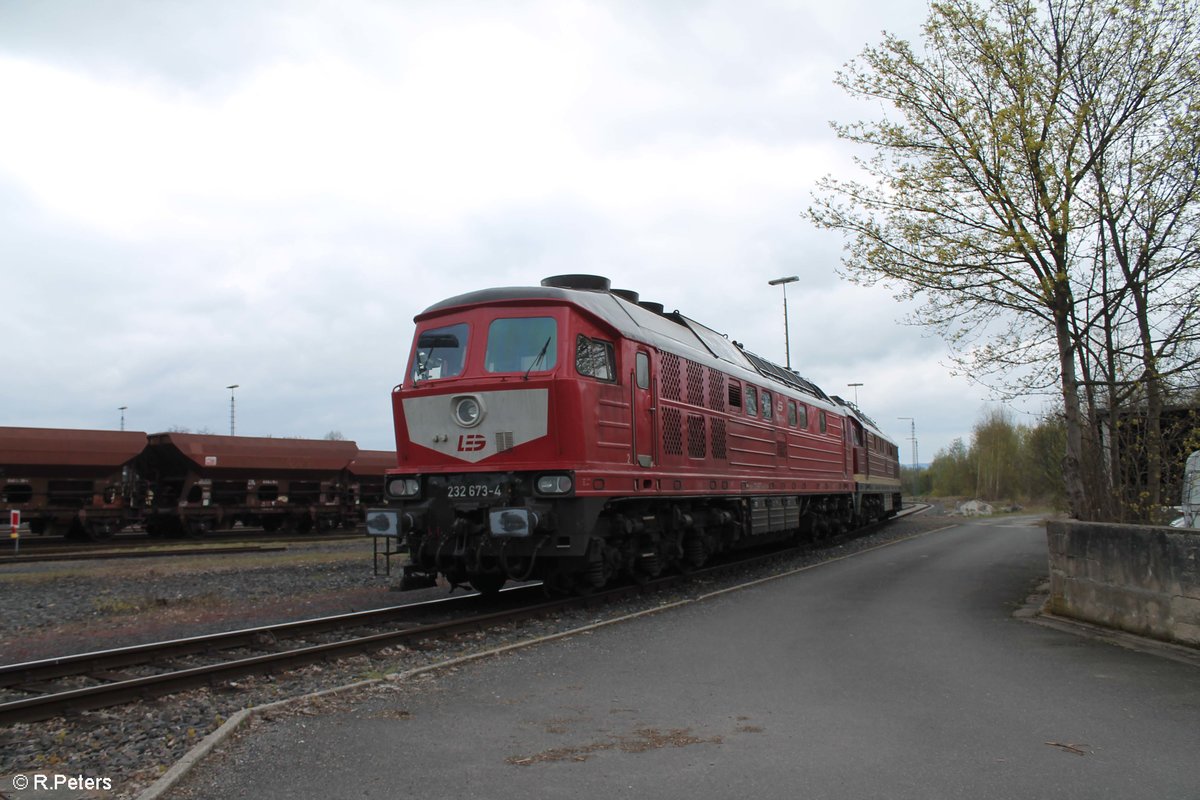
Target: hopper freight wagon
90 484
82 484
365 480
202 482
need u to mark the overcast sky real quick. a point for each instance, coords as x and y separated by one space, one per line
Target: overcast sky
198 194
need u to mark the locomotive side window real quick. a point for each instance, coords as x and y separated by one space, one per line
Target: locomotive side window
752 401
521 344
768 409
440 353
643 371
792 413
821 423
594 357
803 421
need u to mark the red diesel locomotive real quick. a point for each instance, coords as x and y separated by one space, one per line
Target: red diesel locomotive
570 433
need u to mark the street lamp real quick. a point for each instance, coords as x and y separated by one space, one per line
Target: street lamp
912 437
787 345
122 410
231 387
855 387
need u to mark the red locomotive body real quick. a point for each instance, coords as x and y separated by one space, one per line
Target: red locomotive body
571 433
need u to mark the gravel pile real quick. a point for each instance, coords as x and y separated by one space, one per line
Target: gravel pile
133 745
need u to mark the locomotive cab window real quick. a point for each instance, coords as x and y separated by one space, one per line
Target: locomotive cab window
752 401
521 344
643 370
440 353
594 357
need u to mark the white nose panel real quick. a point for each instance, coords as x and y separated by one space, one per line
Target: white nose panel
515 416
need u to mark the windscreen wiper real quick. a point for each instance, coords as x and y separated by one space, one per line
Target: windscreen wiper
539 358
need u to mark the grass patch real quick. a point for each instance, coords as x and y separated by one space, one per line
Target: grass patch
125 605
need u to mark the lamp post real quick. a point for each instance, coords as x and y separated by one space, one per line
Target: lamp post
787 345
122 410
912 437
231 387
855 387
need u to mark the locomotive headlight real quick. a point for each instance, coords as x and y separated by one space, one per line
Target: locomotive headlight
403 487
467 410
554 484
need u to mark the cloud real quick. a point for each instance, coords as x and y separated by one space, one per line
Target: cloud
266 193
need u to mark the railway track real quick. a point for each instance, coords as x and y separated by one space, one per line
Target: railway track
39 690
139 538
48 688
84 555
146 547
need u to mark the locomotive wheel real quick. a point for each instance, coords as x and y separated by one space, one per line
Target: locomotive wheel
649 565
694 551
486 583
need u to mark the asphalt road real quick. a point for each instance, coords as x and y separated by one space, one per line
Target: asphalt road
898 673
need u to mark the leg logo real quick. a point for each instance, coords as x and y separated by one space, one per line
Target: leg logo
471 443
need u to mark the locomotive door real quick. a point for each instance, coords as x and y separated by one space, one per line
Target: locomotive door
862 459
643 409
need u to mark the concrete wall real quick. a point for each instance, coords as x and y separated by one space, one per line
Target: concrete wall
1145 580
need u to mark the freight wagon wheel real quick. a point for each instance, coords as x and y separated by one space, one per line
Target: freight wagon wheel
197 528
75 532
99 531
169 528
160 528
486 583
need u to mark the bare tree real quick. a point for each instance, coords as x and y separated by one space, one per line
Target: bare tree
983 197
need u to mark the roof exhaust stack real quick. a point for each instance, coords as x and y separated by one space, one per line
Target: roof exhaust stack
595 283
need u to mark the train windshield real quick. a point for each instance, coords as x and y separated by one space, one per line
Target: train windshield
522 344
440 353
